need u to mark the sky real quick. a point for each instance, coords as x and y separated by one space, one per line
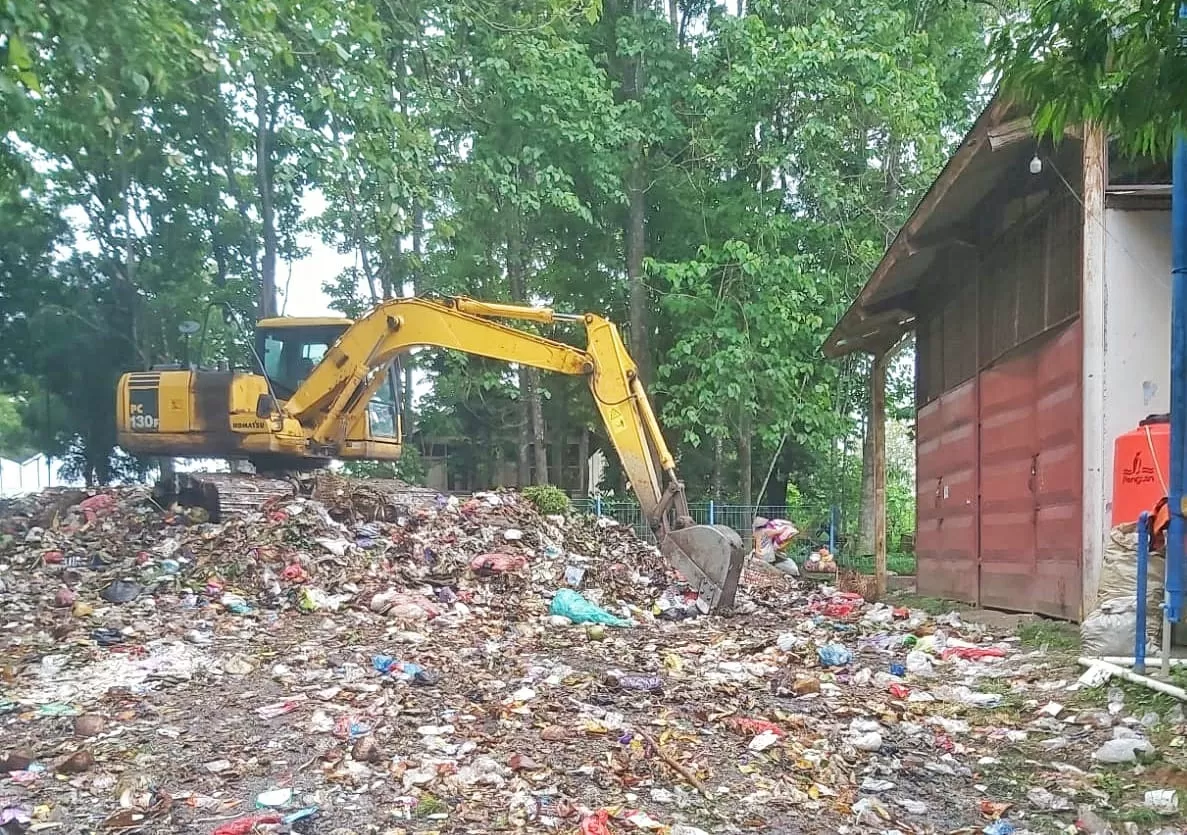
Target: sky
305 296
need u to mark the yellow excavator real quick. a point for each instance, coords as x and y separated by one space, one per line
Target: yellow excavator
322 392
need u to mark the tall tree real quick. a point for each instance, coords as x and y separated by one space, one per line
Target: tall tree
1117 63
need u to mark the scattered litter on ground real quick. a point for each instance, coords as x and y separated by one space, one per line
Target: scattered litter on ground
359 663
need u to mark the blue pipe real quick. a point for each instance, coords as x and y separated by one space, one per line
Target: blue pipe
1139 640
1178 468
712 513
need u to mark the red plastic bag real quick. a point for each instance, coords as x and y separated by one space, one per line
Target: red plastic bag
899 691
96 506
243 826
756 726
295 573
597 823
497 563
840 609
973 653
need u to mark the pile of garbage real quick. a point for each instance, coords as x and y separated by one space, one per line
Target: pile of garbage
435 558
472 665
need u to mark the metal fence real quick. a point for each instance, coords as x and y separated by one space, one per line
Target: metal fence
818 525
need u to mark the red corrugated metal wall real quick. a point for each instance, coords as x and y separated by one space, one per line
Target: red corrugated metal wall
1007 482
999 448
1059 476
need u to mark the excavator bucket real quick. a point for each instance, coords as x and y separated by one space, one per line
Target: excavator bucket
710 557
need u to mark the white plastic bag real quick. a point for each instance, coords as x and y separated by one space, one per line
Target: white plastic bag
1111 628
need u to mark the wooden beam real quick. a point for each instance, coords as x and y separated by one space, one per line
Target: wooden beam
1010 133
878 429
1094 526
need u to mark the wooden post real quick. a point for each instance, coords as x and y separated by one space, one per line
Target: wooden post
878 430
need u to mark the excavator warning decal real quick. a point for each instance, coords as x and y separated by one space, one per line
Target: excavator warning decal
615 419
144 409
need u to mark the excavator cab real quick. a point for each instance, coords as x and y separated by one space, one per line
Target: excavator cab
188 411
290 348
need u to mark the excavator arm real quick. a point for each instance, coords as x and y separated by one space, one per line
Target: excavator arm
328 402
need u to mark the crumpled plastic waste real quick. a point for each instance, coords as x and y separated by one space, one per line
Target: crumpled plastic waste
972 653
246 825
1124 750
772 536
403 670
570 604
497 563
524 721
834 655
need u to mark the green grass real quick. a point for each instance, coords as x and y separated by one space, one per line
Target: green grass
1052 635
1142 816
428 804
902 564
931 605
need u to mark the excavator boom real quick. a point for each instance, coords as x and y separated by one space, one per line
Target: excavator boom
322 417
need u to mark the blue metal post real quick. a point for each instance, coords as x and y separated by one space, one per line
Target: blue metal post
1139 640
1178 468
712 513
597 505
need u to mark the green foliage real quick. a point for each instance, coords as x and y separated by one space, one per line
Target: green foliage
16 441
1118 63
548 499
409 468
162 156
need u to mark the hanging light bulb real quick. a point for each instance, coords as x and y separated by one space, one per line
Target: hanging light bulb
1036 164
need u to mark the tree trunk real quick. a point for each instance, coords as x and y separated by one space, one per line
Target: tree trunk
718 454
558 456
583 463
636 244
519 294
418 234
674 14
775 494
878 427
745 466
539 445
635 232
865 535
891 186
266 304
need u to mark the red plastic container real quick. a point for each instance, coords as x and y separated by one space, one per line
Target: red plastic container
1141 468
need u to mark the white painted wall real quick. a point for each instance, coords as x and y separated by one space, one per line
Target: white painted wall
30 475
1136 344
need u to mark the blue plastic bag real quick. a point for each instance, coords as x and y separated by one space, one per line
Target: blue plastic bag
999 827
834 655
572 605
403 670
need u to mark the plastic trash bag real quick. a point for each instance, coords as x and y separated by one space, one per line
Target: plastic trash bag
773 536
1112 627
570 604
834 655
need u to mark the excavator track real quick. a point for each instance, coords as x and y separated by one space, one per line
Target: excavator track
224 495
227 495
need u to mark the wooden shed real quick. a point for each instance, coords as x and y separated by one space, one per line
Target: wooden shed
1038 292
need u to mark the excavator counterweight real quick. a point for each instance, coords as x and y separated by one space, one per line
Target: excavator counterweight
324 390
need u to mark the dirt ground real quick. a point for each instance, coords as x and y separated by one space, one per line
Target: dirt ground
201 714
